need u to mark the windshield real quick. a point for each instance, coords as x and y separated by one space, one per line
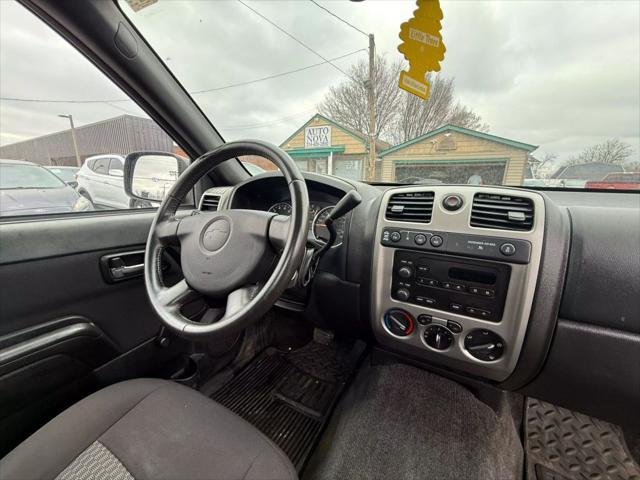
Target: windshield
525 90
27 176
529 93
64 174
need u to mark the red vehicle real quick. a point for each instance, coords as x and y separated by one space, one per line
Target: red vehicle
618 181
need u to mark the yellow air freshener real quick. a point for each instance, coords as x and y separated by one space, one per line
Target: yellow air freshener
422 47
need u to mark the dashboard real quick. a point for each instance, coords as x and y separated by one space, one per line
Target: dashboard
530 291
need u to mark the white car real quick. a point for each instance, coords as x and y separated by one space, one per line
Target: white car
101 180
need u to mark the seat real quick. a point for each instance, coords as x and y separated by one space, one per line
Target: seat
147 429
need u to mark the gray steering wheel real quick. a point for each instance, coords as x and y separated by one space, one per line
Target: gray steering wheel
225 254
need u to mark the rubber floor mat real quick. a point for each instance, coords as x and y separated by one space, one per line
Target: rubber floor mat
289 396
564 445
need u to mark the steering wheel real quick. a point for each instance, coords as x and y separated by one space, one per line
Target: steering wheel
227 253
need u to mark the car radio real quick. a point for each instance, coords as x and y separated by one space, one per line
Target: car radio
467 287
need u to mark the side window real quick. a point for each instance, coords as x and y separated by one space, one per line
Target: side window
101 166
116 167
65 114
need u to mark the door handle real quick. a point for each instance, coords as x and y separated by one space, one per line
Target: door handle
122 266
123 271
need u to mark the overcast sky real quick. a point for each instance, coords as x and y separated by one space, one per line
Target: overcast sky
562 75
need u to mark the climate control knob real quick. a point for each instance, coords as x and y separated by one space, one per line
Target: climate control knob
438 337
399 322
484 345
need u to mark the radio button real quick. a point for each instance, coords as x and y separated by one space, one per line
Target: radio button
420 239
437 241
403 294
472 311
456 307
429 282
405 272
474 290
458 287
426 300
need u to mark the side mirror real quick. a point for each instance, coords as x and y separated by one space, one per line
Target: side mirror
150 175
116 172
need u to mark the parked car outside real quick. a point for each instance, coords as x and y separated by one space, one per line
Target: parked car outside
100 179
577 176
27 189
66 174
618 181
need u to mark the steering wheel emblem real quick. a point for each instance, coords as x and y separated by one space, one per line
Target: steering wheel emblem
216 234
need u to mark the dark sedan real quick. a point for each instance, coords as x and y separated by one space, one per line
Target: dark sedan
28 189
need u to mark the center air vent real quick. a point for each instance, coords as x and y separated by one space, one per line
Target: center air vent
410 207
209 202
502 211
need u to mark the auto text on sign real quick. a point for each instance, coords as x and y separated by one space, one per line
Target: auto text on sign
317 137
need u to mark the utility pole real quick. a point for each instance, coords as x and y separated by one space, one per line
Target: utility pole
73 137
371 170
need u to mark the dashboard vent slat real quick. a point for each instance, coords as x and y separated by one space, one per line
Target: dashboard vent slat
505 212
410 207
209 202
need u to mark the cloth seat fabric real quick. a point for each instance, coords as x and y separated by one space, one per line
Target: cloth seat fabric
147 429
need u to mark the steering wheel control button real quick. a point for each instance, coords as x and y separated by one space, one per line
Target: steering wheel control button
438 337
424 319
405 272
395 236
455 327
484 345
436 241
399 322
507 249
452 202
403 294
420 239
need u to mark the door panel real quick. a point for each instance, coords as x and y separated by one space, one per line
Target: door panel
60 317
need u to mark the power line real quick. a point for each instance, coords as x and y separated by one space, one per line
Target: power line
339 18
296 40
267 123
278 74
196 92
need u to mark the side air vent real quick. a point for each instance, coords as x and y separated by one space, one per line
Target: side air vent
410 207
209 202
502 211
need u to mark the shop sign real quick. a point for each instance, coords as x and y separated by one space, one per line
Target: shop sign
317 137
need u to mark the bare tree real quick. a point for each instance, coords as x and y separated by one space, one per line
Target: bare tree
541 167
400 116
347 103
613 150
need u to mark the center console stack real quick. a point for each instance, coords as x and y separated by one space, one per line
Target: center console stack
454 274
